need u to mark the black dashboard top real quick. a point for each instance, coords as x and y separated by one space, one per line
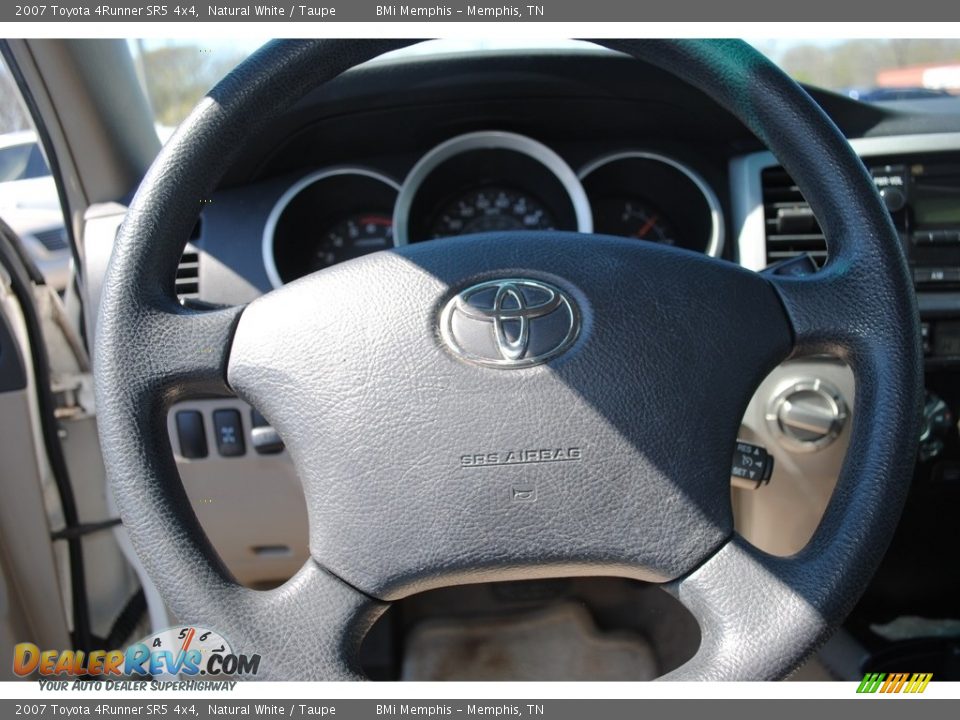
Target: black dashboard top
387 108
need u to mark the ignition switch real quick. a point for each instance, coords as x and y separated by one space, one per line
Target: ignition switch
937 421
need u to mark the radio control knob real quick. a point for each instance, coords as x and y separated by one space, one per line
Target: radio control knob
894 198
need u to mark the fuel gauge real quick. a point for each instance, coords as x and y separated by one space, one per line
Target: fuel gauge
633 218
646 196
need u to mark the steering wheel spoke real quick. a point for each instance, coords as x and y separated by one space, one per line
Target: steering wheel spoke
179 351
827 315
751 607
309 628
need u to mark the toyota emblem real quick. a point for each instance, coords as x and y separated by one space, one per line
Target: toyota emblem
510 323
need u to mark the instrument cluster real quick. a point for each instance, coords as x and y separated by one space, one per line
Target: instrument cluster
487 182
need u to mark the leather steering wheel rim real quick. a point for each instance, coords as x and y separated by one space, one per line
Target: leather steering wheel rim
760 615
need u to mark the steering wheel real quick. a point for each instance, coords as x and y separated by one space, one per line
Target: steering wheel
505 406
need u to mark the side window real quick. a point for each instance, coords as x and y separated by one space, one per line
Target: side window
21 157
36 163
13 115
29 203
13 162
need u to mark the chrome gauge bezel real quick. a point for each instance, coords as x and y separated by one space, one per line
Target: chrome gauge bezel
488 140
270 228
714 246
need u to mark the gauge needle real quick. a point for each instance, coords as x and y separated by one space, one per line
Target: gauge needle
187 640
186 645
374 220
647 226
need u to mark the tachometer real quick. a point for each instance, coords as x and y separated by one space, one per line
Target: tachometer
490 209
355 235
334 214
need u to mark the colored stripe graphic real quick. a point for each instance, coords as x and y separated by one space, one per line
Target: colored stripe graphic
918 683
871 682
894 683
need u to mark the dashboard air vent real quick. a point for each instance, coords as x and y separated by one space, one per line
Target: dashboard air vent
188 274
791 228
53 240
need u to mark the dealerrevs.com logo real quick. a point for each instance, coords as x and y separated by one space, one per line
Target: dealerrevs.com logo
894 683
188 651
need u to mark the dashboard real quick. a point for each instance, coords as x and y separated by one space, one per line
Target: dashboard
408 151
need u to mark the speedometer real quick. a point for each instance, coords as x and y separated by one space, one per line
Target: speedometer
491 209
489 181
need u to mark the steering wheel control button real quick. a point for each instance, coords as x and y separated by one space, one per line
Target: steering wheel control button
190 433
510 323
265 440
807 415
752 466
228 429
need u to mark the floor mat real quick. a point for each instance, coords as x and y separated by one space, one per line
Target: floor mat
558 643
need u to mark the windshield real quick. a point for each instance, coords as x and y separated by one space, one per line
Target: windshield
871 69
176 73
